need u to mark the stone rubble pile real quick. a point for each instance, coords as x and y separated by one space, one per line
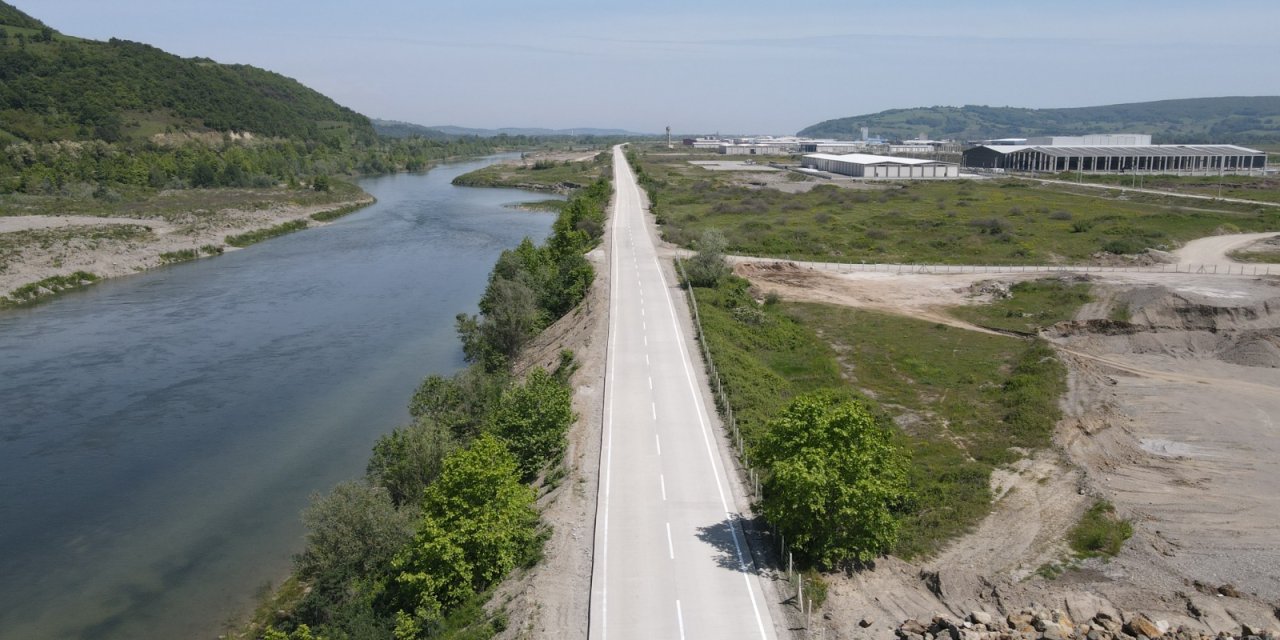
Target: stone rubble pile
1031 624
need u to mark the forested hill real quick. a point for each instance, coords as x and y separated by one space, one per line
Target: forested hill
57 87
1240 120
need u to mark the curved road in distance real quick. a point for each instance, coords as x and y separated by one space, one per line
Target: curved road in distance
671 560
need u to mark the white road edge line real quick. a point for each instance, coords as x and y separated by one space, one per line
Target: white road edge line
680 619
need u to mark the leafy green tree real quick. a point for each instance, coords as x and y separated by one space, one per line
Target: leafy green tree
532 419
353 533
708 267
836 480
514 318
460 402
408 459
321 183
478 523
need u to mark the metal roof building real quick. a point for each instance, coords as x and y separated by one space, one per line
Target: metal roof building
1203 159
862 165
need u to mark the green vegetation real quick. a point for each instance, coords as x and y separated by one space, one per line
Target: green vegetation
540 175
253 237
836 480
1244 187
1031 306
52 285
962 399
334 214
71 89
933 222
1197 120
1100 532
181 255
478 523
531 286
707 267
447 506
533 419
1263 257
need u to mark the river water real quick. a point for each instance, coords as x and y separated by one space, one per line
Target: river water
160 434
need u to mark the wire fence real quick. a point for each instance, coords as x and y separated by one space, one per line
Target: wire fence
861 267
803 586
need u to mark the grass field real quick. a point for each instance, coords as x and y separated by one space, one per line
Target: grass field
942 222
1032 305
1260 188
960 398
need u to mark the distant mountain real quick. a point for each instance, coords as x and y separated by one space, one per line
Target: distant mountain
57 87
1240 120
517 131
397 129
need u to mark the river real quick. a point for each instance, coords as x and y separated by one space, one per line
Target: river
161 433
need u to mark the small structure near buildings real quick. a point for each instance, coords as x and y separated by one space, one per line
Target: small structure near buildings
861 165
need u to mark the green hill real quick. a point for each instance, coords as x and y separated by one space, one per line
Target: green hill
1240 120
56 87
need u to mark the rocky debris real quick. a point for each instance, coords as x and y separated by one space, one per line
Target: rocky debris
996 289
1035 624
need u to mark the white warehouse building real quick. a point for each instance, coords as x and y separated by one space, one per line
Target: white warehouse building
862 165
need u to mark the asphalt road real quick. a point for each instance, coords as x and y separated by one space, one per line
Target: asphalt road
670 557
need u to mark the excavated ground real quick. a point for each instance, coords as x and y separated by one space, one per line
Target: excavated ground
1171 417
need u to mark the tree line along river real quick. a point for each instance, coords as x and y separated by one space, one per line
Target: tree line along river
161 433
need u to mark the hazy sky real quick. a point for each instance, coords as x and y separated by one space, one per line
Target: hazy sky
725 65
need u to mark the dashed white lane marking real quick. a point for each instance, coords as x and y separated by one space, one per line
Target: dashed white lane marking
671 547
662 481
651 383
658 441
654 407
646 358
680 619
646 340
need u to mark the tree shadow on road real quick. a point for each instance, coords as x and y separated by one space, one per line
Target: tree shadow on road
732 551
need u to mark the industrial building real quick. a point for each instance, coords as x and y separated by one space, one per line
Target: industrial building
1095 140
1205 159
861 165
833 147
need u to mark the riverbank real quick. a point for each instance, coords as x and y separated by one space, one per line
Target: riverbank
178 226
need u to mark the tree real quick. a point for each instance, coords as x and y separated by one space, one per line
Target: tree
320 183
707 268
408 459
459 403
532 419
495 337
353 533
478 523
836 480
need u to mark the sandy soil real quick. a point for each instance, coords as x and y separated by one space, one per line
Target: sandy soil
1172 418
33 248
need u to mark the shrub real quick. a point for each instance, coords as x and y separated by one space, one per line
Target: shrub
1060 215
1100 532
478 523
708 267
532 420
